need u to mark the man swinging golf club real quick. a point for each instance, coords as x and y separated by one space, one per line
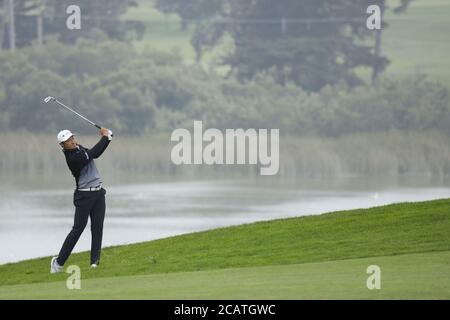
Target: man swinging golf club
89 196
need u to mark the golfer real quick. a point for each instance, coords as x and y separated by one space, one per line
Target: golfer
88 198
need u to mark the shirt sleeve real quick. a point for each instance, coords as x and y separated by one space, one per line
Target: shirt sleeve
77 160
99 148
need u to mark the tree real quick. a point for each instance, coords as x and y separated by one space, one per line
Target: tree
3 21
34 10
378 69
103 15
11 25
309 42
33 17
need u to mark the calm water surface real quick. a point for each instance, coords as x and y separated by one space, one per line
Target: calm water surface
36 216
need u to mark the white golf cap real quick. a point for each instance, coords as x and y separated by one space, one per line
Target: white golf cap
63 135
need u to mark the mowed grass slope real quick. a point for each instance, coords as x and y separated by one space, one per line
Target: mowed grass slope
410 276
382 231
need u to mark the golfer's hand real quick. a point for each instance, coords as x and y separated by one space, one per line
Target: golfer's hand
104 132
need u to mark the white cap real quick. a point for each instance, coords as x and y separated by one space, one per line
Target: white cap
63 135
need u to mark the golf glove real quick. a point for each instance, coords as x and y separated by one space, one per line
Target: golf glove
110 135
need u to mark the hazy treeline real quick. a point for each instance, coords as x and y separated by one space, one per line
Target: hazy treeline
138 93
309 43
34 20
383 154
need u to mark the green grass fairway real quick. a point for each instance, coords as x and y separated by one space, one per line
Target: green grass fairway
289 249
419 40
413 276
381 231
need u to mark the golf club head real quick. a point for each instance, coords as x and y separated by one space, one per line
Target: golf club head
48 99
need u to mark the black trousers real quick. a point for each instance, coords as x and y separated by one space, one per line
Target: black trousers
87 204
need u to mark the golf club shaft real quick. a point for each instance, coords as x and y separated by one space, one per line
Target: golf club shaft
82 117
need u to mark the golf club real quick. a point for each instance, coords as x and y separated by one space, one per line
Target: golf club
53 99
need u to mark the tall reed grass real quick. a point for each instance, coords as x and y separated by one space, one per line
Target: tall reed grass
382 154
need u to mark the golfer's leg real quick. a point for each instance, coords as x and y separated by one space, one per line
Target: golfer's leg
97 218
81 217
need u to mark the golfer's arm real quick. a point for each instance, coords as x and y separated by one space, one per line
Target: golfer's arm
98 149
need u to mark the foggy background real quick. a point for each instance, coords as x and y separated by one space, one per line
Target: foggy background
363 114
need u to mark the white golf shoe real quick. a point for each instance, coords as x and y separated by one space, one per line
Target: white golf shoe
93 266
55 267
